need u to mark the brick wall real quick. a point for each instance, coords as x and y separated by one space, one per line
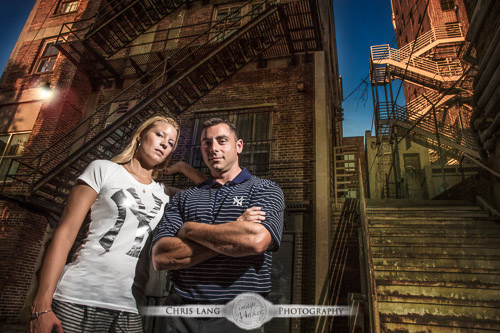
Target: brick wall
21 238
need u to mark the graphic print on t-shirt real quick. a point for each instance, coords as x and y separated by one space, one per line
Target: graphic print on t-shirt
139 211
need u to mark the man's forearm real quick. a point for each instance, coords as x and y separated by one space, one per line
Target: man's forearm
174 253
235 239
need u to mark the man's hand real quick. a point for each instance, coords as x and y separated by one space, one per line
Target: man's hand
174 168
253 214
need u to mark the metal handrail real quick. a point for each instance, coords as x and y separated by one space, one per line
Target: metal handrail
369 272
445 67
437 33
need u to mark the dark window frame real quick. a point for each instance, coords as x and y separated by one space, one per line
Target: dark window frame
447 5
256 153
67 7
9 151
47 58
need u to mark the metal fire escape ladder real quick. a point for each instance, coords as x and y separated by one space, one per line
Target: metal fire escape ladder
90 41
441 76
420 70
445 34
195 70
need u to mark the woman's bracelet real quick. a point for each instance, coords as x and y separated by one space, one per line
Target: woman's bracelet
35 315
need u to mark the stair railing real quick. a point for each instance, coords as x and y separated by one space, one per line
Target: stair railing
368 269
437 33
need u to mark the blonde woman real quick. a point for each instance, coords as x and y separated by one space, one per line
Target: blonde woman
93 293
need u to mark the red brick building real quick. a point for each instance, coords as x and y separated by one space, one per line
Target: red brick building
269 66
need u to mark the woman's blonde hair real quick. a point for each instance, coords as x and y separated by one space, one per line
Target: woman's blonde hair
128 153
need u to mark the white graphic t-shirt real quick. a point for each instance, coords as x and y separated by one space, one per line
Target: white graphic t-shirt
122 217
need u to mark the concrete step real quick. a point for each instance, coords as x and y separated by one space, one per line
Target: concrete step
427 214
435 252
416 203
434 232
462 264
435 315
421 223
416 328
438 279
439 295
424 208
460 242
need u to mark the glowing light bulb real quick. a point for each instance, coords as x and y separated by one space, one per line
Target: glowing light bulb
45 91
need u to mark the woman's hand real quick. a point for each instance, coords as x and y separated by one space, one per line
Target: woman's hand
46 323
252 214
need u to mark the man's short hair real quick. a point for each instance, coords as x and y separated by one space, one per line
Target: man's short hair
216 121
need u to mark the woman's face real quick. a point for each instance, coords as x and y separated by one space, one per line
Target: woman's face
157 143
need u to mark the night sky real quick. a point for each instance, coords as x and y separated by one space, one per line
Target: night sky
359 24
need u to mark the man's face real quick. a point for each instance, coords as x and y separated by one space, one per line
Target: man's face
220 148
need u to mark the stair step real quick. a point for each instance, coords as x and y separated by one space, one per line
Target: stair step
438 279
427 214
423 208
439 295
465 317
395 203
471 231
445 265
434 252
490 222
429 241
417 328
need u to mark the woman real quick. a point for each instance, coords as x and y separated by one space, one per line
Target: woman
94 293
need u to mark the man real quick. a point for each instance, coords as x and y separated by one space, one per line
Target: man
216 238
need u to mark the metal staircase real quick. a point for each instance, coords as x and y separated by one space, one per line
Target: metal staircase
193 72
416 69
448 34
435 266
89 43
425 119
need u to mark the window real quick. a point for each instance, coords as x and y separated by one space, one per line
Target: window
258 8
47 58
66 7
11 145
255 130
411 162
447 5
227 20
117 110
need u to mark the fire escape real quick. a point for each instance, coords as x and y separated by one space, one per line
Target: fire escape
167 81
425 119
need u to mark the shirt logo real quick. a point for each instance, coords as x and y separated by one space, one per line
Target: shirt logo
238 201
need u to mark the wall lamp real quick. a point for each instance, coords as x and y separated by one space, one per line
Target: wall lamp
45 91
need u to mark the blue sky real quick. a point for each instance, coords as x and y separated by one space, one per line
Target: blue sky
359 24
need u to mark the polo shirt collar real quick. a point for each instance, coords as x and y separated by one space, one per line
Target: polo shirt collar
240 178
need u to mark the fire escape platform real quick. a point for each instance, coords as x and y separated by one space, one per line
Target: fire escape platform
417 71
428 47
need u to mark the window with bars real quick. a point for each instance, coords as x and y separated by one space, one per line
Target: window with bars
11 145
66 7
47 58
255 130
447 5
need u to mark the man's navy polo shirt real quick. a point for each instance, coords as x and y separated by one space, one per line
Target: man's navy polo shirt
220 279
